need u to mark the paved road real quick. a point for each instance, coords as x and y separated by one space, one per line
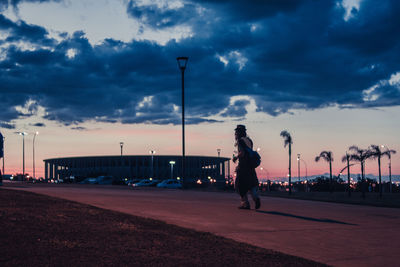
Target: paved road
336 234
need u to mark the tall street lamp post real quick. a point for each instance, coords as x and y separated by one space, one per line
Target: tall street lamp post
390 168
121 144
298 166
152 152
348 173
305 165
172 168
4 142
33 165
23 153
182 62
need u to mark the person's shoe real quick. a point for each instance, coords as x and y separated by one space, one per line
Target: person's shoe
258 203
244 207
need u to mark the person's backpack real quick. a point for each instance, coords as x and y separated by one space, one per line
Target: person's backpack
254 157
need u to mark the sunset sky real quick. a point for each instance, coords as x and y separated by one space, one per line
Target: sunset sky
88 74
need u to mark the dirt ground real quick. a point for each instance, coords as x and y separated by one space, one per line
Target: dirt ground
37 230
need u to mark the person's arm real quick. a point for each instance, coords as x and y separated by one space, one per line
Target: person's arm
241 148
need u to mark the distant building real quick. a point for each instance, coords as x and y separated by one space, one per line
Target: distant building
141 167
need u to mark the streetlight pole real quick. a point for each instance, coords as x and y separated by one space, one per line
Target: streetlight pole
152 165
23 153
305 164
34 171
182 62
4 152
298 166
348 172
390 168
121 144
219 152
172 168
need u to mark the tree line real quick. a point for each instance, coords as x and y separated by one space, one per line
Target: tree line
354 155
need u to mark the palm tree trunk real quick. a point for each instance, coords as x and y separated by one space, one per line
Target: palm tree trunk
330 176
290 169
380 177
390 174
362 180
348 175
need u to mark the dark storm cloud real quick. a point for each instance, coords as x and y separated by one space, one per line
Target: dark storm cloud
254 10
237 109
21 31
39 124
14 3
161 17
285 54
7 125
79 128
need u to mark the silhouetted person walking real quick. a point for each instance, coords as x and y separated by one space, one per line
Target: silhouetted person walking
246 177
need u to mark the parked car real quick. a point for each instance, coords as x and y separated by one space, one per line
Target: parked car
132 181
89 180
170 183
105 180
146 182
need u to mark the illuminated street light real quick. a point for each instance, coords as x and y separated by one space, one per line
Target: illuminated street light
182 62
23 153
172 168
298 166
152 152
33 165
390 168
121 144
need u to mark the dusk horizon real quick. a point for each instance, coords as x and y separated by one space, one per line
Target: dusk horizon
91 74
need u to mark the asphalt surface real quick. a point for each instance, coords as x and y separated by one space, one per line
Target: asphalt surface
331 233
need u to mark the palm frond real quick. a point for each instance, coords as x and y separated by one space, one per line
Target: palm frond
354 148
359 154
326 155
287 138
389 153
375 152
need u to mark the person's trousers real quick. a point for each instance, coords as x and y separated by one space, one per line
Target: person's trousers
254 195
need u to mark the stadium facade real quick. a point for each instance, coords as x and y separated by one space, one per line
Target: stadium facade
141 167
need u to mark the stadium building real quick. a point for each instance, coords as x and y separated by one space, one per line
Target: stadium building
140 167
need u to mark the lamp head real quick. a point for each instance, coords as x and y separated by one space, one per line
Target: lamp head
182 62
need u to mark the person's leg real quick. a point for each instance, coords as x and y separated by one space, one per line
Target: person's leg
256 198
244 201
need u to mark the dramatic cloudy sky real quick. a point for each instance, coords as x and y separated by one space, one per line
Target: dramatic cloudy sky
87 74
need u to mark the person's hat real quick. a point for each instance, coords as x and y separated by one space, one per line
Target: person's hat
240 127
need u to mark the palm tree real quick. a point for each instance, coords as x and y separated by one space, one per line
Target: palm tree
376 153
287 140
327 156
360 155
